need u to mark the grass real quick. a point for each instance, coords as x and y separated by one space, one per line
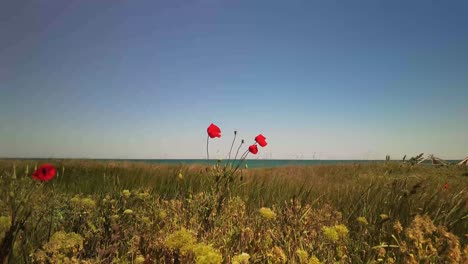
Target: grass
121 212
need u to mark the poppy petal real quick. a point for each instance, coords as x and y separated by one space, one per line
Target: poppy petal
253 149
45 172
261 140
213 131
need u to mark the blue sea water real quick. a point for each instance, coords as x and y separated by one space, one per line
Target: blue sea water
265 163
257 163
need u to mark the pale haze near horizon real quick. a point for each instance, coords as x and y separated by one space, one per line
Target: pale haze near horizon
144 79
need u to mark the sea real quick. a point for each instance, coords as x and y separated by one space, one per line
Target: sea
251 163
258 163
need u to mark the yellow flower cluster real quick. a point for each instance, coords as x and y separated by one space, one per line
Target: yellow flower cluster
314 260
242 258
126 193
304 257
179 240
184 241
330 233
342 230
84 203
335 233
62 248
139 259
205 254
267 213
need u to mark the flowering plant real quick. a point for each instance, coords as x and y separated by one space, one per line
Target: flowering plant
225 175
214 131
45 172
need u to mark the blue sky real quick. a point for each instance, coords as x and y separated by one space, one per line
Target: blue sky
323 79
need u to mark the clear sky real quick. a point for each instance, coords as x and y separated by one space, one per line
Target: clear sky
144 79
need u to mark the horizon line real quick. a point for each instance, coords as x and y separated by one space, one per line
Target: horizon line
199 159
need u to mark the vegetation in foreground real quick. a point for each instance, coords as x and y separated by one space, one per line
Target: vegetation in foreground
110 212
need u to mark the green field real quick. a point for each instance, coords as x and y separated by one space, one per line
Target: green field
119 212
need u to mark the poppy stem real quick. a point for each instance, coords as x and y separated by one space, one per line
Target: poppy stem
232 145
242 142
242 158
207 152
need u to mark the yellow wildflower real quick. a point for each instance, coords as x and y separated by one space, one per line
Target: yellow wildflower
267 213
139 259
126 193
384 217
241 259
143 195
64 242
162 214
88 203
362 220
180 240
145 220
330 233
342 230
128 211
302 255
314 260
205 254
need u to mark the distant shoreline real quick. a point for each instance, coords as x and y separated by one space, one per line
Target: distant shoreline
251 163
123 159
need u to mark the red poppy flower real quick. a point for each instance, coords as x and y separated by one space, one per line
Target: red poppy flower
253 149
214 131
45 172
260 139
446 186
